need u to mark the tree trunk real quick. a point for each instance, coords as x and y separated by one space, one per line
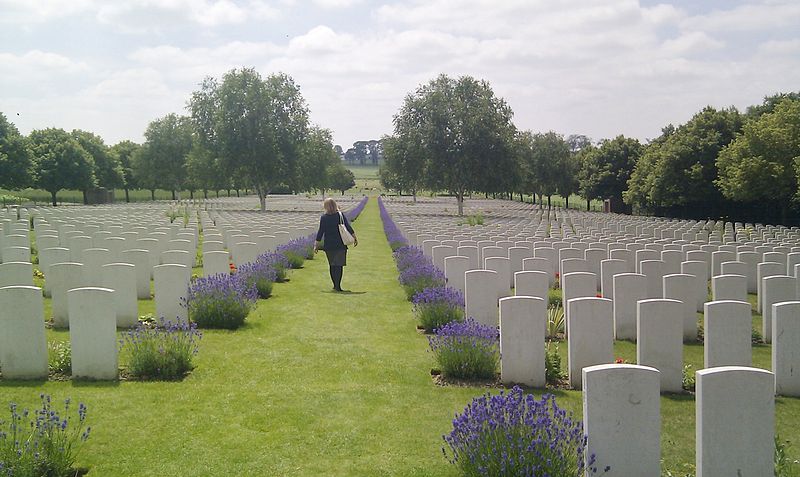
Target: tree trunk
566 201
217 194
237 193
414 194
127 197
191 195
229 192
205 193
152 194
53 196
460 202
548 202
173 194
85 198
588 205
262 198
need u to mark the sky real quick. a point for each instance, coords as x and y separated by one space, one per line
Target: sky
595 67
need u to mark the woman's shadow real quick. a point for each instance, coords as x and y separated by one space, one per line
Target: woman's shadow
345 292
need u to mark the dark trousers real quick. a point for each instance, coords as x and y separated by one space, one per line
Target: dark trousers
336 276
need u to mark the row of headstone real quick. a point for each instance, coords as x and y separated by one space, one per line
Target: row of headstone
734 420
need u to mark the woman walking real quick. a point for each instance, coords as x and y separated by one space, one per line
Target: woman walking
329 240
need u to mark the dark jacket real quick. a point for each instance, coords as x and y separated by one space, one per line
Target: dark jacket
329 231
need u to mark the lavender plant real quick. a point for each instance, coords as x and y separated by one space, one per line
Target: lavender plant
278 262
353 213
165 351
297 251
516 434
43 442
437 306
260 275
419 277
408 256
466 349
220 301
393 234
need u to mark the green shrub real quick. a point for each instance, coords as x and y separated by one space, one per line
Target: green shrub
554 297
466 349
59 357
552 364
688 381
555 321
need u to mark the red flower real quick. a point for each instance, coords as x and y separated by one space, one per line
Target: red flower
599 295
619 361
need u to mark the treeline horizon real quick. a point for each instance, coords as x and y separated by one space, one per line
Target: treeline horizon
451 135
456 135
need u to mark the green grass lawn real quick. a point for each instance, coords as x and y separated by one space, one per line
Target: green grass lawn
316 383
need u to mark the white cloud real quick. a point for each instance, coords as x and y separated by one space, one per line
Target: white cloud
598 67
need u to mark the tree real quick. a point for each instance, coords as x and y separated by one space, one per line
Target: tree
543 158
675 175
770 103
317 154
107 169
403 163
605 170
255 126
162 164
761 163
204 170
340 178
465 131
16 160
60 162
125 152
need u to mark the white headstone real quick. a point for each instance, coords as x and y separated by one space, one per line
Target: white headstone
454 269
729 287
171 284
63 277
629 288
481 296
23 345
776 289
727 334
659 340
735 422
786 347
622 419
93 333
591 339
522 324
121 277
531 284
140 259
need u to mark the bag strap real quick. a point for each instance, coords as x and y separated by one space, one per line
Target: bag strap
341 218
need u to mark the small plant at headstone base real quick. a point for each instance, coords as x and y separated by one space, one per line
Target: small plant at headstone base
165 351
555 322
437 306
785 466
557 283
259 274
220 301
420 276
44 441
756 337
466 349
515 434
296 251
552 363
59 358
408 256
475 219
688 470
688 381
554 297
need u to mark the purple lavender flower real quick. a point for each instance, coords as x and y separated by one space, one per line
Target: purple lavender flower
437 306
466 349
42 441
393 234
515 434
221 301
162 351
420 275
353 213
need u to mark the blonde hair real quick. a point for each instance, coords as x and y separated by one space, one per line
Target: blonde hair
330 206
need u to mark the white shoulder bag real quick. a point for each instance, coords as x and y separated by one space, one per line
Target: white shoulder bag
347 238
